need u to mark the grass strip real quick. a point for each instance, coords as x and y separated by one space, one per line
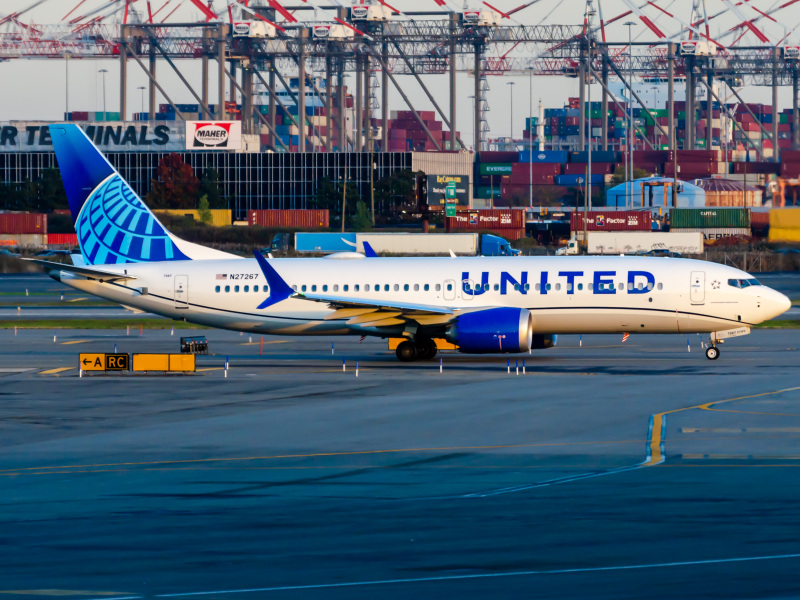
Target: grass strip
779 324
149 323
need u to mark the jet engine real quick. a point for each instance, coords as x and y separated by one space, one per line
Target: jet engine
493 331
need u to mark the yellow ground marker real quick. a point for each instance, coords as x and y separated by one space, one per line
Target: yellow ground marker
210 369
265 343
74 342
655 438
54 371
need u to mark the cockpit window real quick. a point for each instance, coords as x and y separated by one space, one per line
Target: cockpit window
743 283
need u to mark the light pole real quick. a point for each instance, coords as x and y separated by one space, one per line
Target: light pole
104 71
66 93
511 114
142 88
474 108
530 137
629 194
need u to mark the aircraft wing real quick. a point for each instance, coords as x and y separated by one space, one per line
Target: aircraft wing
87 272
366 312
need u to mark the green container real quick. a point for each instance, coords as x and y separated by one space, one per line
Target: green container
495 168
681 115
784 118
484 192
709 218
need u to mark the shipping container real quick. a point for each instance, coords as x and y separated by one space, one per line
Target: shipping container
477 220
290 219
23 240
619 220
714 234
710 218
543 156
24 223
579 179
630 242
497 157
219 217
62 239
597 156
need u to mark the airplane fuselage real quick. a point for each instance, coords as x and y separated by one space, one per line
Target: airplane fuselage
564 294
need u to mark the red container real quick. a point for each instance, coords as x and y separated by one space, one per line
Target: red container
80 115
788 169
498 157
23 223
756 168
790 156
759 221
475 220
619 220
62 239
290 219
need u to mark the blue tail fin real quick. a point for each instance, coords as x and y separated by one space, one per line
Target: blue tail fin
112 222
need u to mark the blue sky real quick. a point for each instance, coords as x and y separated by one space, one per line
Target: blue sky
35 89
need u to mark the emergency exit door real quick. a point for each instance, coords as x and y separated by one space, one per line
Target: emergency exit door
181 291
697 289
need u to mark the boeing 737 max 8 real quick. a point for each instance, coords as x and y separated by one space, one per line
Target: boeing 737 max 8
482 304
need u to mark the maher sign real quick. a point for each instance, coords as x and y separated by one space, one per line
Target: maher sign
213 135
109 137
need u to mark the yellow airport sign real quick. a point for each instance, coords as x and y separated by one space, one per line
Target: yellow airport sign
104 362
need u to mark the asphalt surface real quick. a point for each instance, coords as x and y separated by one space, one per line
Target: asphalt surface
607 470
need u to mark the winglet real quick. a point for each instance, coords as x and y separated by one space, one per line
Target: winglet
279 290
369 252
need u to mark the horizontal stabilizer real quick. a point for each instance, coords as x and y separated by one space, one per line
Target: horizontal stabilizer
87 272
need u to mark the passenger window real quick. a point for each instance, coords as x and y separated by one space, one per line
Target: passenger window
548 286
516 287
449 287
640 286
294 287
527 287
303 288
558 287
416 287
355 288
266 289
313 288
405 288
366 287
630 286
537 287
386 287
496 287
438 287
569 287
660 286
580 287
427 287
255 288
247 288
649 285
346 288
591 287
396 287
325 287
236 289
217 289
335 287
227 288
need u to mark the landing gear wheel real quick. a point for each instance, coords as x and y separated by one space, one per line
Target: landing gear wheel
426 349
712 353
406 352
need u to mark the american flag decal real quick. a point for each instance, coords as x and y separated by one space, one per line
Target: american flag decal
625 336
221 276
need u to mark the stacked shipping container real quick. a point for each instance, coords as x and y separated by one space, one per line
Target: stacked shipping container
506 223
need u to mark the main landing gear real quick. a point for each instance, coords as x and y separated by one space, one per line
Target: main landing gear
712 353
421 349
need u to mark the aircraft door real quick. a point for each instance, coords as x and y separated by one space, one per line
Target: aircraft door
449 291
697 288
467 289
181 291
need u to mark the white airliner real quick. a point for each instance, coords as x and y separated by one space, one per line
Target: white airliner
483 305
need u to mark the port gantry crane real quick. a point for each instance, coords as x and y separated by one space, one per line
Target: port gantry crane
261 42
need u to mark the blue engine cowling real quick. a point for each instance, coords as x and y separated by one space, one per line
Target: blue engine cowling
493 331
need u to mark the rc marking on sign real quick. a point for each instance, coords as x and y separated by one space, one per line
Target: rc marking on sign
104 362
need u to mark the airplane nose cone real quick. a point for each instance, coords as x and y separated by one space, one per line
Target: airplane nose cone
777 303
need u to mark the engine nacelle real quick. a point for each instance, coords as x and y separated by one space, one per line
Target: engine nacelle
493 331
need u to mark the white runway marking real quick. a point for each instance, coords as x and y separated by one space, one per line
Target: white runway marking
322 586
